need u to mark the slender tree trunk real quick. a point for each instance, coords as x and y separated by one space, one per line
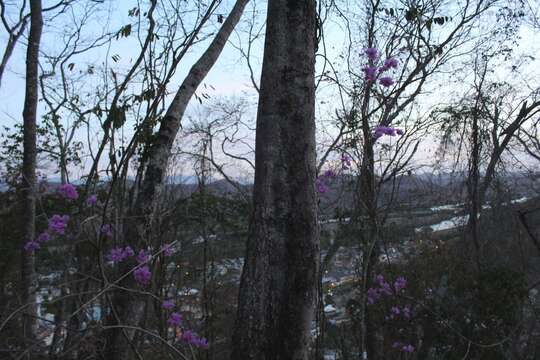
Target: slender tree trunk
28 274
160 150
473 183
279 280
10 46
130 309
368 216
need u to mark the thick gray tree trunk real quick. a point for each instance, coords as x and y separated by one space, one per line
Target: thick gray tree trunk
279 280
28 274
131 308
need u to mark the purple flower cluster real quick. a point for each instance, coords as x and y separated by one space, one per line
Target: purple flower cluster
345 162
175 319
120 254
188 336
58 224
371 72
406 310
322 188
192 338
400 284
390 63
386 81
395 312
91 200
142 275
142 257
384 288
372 53
31 246
167 249
168 304
322 181
329 174
107 230
407 348
43 237
386 130
68 191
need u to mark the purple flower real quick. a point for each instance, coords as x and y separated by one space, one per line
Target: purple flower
107 230
43 237
329 174
321 187
168 304
407 312
142 275
395 310
192 338
378 133
68 191
167 249
202 343
116 255
91 200
188 336
58 224
383 130
372 296
407 348
142 257
400 284
386 81
31 246
391 63
400 132
372 53
175 319
370 72
396 344
385 289
345 161
128 251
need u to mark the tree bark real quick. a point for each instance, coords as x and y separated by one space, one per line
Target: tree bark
130 308
28 274
279 280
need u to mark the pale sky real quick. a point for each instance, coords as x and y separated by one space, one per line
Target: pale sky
230 76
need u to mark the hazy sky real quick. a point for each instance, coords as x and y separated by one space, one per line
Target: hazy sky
229 77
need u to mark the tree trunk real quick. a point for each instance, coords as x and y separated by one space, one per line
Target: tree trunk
160 150
131 308
278 285
28 274
10 46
